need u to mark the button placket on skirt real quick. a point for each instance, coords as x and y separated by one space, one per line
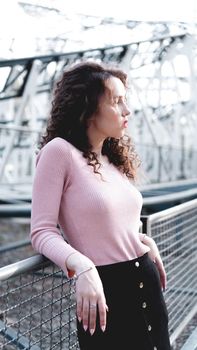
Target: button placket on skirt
143 303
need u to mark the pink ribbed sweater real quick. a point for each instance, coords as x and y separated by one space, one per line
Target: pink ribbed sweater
98 218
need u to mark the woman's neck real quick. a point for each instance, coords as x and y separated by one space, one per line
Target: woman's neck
98 151
96 140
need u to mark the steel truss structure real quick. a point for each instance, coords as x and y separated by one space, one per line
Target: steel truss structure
162 96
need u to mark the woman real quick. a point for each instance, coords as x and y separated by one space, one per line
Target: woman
84 183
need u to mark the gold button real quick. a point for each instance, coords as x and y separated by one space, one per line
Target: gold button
149 328
144 305
141 285
137 264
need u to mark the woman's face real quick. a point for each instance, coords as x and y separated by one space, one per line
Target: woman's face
111 120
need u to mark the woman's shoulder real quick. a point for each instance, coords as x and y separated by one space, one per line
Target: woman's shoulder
56 145
55 149
59 150
58 142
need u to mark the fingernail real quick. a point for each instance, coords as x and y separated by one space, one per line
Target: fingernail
85 327
91 331
106 307
103 328
79 318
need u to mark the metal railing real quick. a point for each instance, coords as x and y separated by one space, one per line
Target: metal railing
37 301
37 306
175 232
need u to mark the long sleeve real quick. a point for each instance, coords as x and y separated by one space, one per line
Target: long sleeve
99 219
51 179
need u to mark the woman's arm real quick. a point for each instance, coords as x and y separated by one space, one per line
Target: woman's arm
156 258
89 292
51 178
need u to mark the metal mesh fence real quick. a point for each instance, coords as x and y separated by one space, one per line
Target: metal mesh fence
37 301
37 309
175 232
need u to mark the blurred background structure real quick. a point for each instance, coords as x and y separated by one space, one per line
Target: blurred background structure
161 61
38 40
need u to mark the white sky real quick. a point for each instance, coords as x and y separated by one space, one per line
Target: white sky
14 23
142 10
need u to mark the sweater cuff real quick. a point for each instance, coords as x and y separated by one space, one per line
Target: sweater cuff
70 273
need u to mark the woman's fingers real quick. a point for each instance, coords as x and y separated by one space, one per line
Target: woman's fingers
79 309
92 316
87 313
91 301
102 309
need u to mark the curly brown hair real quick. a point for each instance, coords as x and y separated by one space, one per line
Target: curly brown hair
76 99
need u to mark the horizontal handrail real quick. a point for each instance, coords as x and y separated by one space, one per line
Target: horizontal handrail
23 266
170 212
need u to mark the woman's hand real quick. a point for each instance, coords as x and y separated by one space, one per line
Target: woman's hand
89 292
156 258
90 299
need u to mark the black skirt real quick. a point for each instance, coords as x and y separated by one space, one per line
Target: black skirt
137 318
